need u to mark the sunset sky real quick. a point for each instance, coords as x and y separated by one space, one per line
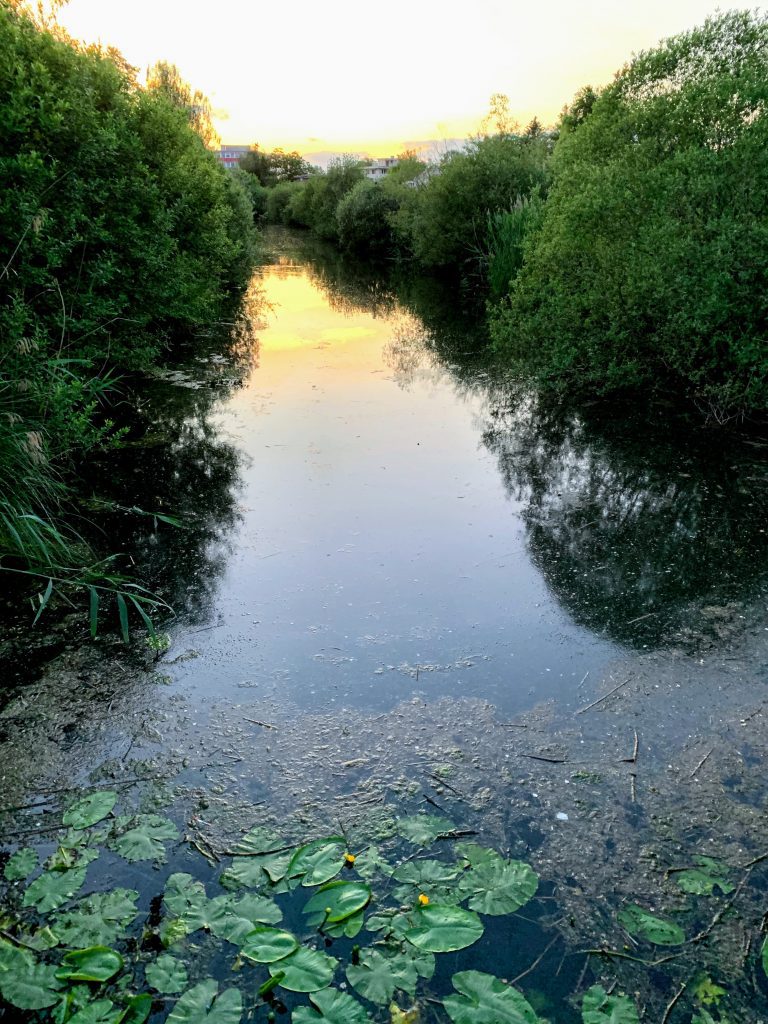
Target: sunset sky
357 76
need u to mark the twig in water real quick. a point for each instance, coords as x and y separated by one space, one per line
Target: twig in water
641 617
673 1003
435 804
549 760
264 725
633 787
633 758
536 962
605 697
701 763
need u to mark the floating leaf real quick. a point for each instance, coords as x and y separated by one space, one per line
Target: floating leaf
20 865
600 1008
42 938
137 1010
306 970
201 1005
333 1007
167 975
33 987
101 1011
172 930
145 840
705 878
348 928
377 976
97 920
318 861
707 992
183 895
370 863
266 945
242 915
53 888
337 901
253 872
12 958
97 963
443 929
427 872
641 924
423 829
90 809
483 998
494 885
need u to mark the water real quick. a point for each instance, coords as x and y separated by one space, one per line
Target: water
548 623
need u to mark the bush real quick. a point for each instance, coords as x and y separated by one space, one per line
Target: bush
651 265
363 219
507 233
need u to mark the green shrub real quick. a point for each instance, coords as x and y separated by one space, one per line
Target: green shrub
363 219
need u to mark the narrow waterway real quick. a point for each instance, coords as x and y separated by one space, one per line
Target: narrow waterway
403 584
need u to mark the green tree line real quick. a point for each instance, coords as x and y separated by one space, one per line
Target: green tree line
119 233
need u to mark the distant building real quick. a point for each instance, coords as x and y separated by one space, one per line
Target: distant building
377 169
230 156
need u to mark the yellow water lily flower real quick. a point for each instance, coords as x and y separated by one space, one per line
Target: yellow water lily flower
423 899
350 858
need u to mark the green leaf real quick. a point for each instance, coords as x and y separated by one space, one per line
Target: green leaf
201 1005
337 901
377 976
349 927
97 963
764 956
443 929
90 809
167 975
184 895
494 885
122 612
253 872
20 865
318 861
267 945
705 878
138 1009
641 924
423 829
145 840
99 919
306 970
32 988
333 1007
483 998
434 878
43 600
53 888
242 915
370 863
101 1011
600 1008
12 958
93 611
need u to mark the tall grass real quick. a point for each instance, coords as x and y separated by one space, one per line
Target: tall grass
507 233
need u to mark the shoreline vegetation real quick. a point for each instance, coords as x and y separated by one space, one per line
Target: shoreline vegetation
624 251
122 237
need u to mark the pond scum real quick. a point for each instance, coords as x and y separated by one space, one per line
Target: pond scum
318 930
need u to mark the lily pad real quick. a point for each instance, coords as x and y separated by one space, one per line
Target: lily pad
306 970
137 1010
52 889
20 865
703 879
496 886
337 901
242 915
97 963
267 945
202 1005
423 829
484 998
318 861
167 975
600 1008
443 929
377 976
145 841
90 809
333 1007
100 1011
34 987
658 930
98 920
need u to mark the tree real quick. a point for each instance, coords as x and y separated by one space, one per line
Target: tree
499 119
363 218
276 166
166 79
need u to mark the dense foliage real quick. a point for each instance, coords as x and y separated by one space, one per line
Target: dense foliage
650 267
119 230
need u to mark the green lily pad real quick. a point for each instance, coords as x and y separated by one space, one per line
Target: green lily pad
242 915
337 901
377 976
167 975
493 885
101 1011
137 1009
145 841
705 878
184 895
443 929
333 1007
52 889
97 963
202 1005
348 928
423 829
318 861
253 872
427 872
98 920
483 998
267 945
33 987
20 865
600 1008
641 924
90 809
306 970
371 863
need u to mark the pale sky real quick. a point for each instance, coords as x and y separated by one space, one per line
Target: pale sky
356 75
